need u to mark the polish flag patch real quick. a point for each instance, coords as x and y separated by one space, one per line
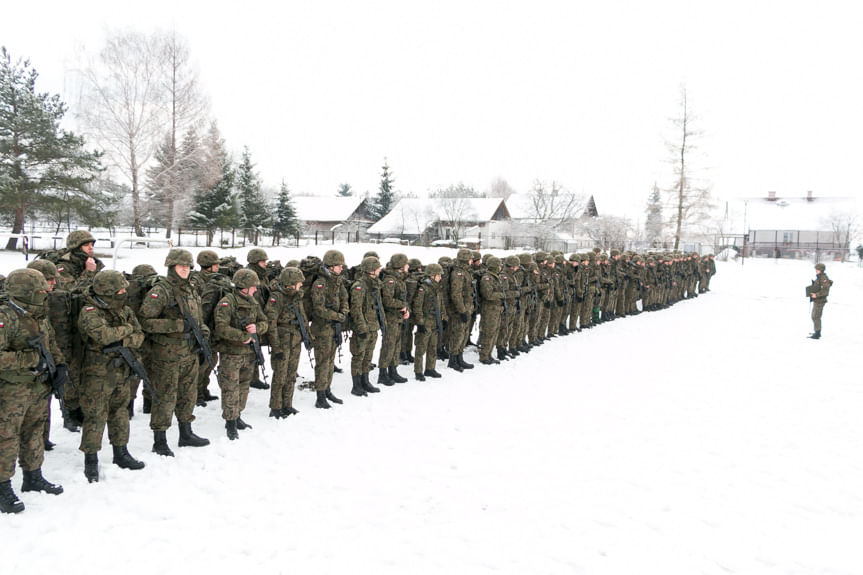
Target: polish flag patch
89 308
224 304
154 295
272 300
2 324
359 288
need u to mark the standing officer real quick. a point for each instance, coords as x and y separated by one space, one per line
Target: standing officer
329 310
818 292
287 319
24 385
366 304
106 323
460 308
429 316
394 299
239 321
170 314
214 286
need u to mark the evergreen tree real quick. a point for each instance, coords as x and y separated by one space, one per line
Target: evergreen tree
653 224
345 190
40 163
172 179
254 211
383 202
286 223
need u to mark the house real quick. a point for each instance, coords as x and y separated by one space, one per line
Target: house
322 216
424 220
797 227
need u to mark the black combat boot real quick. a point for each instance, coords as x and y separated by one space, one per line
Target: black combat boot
286 411
124 460
454 363
160 444
188 437
209 396
432 373
241 425
91 467
816 335
562 330
367 385
33 481
49 445
513 352
333 398
277 413
322 400
501 354
463 363
357 388
148 405
442 353
9 502
384 377
394 375
419 376
231 428
488 361
258 384
131 408
68 421
200 402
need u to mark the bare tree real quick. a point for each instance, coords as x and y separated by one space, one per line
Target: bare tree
691 201
123 104
551 204
844 226
654 225
456 213
500 188
607 231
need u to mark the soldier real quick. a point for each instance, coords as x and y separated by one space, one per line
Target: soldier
106 324
818 292
414 276
515 301
24 384
394 299
429 316
171 314
492 296
141 281
366 315
239 322
329 310
287 332
257 262
445 262
461 306
545 290
214 286
76 264
509 312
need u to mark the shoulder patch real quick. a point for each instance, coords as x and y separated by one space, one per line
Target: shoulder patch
458 273
420 289
486 278
272 300
154 295
359 288
319 286
89 308
225 304
60 269
2 324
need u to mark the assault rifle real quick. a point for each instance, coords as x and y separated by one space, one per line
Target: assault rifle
205 353
301 323
46 369
256 345
133 364
379 311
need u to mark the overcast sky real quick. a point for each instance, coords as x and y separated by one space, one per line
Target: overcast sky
469 91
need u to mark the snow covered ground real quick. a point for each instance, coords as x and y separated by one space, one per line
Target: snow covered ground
712 437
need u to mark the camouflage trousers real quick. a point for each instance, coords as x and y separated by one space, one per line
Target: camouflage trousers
458 333
362 352
533 324
426 345
23 409
620 303
174 374
407 339
104 403
817 310
144 357
504 329
555 316
489 326
71 400
285 370
390 344
204 372
236 372
544 317
325 355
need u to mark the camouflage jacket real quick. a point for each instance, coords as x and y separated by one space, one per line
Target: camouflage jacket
329 302
17 357
460 289
100 326
231 313
161 316
364 317
394 293
281 314
428 297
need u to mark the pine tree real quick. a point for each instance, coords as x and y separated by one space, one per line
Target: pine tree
345 190
254 211
215 200
286 224
653 224
40 163
383 202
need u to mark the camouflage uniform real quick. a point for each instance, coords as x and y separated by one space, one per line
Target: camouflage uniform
329 305
818 293
141 280
23 393
365 296
492 296
282 309
174 351
459 308
105 320
394 299
429 314
237 365
214 286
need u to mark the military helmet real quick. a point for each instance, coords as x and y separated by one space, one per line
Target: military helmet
573 257
540 257
256 255
334 258
143 270
371 253
444 261
293 264
558 259
820 267
179 257
45 267
512 261
78 238
370 264
493 263
463 255
475 255
485 257
615 253
525 259
532 267
109 282
207 258
245 278
414 264
398 261
22 283
434 269
291 276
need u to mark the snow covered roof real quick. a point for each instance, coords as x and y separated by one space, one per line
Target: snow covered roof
325 209
412 216
799 213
